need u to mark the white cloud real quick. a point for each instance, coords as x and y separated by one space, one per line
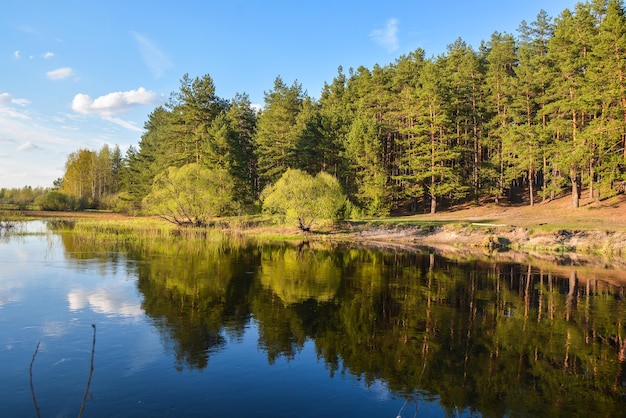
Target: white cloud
11 114
27 146
388 36
123 123
48 55
60 73
16 54
113 103
6 98
152 56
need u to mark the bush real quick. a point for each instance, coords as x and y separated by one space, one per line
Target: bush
303 199
54 200
191 195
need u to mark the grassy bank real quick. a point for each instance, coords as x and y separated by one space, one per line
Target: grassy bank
550 227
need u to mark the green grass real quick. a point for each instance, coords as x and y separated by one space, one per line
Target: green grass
7 215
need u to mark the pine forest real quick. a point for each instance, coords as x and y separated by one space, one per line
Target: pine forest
520 119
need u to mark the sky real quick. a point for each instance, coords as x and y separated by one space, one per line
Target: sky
79 74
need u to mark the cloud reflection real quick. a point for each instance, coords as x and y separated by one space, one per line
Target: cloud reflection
105 301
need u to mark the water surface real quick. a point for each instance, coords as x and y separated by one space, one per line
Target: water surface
196 328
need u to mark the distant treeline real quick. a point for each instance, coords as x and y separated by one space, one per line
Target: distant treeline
529 117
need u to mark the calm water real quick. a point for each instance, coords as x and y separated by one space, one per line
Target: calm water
232 330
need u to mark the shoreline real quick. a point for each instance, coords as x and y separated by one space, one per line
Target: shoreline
592 256
499 236
415 231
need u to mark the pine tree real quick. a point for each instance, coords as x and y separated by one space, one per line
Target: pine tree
276 138
570 50
242 120
607 132
439 120
364 151
194 106
499 80
335 121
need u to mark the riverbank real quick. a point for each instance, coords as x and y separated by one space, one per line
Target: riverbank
555 226
493 236
552 227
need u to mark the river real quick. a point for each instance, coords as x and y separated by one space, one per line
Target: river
224 328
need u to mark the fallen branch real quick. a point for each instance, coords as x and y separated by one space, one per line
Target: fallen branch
32 388
93 350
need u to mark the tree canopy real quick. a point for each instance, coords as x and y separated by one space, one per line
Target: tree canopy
191 195
518 119
304 199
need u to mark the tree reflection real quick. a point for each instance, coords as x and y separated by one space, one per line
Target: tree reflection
499 339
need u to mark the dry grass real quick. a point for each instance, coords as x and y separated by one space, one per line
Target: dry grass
609 215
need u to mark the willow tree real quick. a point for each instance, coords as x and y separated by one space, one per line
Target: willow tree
304 199
190 195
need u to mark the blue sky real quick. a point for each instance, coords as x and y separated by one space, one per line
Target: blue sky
83 73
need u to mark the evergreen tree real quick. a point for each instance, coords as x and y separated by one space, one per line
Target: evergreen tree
242 120
466 72
568 51
500 88
308 136
607 132
194 106
535 76
364 151
276 136
335 121
157 150
218 144
443 176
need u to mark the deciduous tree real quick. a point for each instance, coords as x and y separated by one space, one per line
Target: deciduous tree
191 195
304 199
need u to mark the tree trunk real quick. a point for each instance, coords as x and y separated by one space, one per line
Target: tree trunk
575 188
592 189
433 204
532 190
545 177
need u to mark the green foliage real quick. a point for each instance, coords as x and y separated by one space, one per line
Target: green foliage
90 176
191 195
20 198
195 126
364 150
278 131
55 200
304 199
532 115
